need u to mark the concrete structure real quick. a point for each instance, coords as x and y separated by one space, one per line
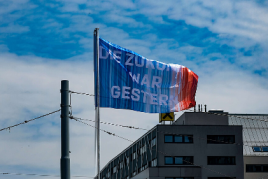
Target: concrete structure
255 143
196 146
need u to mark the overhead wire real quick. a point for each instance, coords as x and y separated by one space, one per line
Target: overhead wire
26 121
214 113
171 133
81 93
110 133
109 123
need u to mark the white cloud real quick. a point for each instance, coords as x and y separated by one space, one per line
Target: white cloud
241 18
13 5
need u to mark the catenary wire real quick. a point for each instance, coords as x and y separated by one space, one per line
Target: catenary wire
81 93
218 114
109 123
133 127
110 133
26 121
80 120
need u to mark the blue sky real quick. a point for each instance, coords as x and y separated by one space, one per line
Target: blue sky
42 42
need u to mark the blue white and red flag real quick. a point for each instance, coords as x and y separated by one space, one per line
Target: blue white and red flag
130 81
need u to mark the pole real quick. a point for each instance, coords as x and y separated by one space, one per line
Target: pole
97 99
65 159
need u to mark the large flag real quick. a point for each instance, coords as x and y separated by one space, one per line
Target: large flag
130 81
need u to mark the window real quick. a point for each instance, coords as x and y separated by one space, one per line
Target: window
188 139
169 160
260 148
220 139
264 148
154 162
185 160
153 142
114 169
256 168
178 160
143 149
179 138
256 149
134 156
146 166
220 160
168 138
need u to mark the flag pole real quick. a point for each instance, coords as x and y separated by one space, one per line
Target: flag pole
97 99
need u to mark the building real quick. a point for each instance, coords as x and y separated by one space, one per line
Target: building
255 143
197 145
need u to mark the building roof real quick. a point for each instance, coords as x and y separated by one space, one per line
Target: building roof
255 131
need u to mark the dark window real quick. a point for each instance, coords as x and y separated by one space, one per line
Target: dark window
265 168
256 149
256 168
185 160
179 138
168 138
188 139
178 160
220 160
264 148
220 139
188 160
260 148
168 160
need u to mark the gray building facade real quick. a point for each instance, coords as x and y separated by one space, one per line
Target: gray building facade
196 146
